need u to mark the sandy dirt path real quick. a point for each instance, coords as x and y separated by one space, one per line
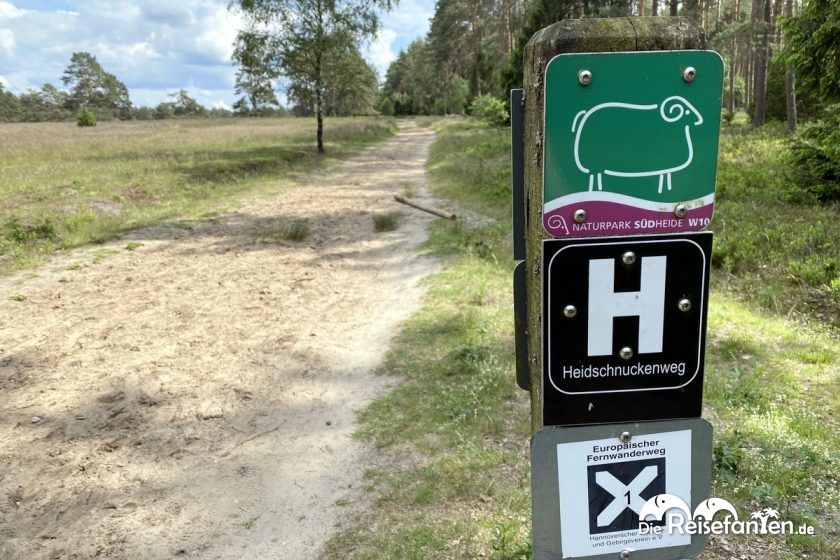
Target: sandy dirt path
195 397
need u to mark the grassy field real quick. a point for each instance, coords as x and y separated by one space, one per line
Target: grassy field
454 481
62 186
774 245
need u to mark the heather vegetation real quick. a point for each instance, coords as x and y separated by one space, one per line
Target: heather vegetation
65 186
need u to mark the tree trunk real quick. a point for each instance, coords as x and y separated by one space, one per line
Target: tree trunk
790 82
641 8
319 79
777 29
732 76
674 4
319 104
748 78
691 8
736 17
762 12
476 44
654 8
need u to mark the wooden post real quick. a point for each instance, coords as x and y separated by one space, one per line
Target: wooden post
574 36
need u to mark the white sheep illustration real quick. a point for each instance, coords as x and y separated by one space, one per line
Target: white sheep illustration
608 162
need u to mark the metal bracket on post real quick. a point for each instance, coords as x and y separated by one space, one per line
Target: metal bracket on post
517 178
520 300
520 326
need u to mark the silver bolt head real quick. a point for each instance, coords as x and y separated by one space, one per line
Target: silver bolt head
570 311
580 215
684 305
628 258
680 210
625 437
624 555
585 77
689 74
626 353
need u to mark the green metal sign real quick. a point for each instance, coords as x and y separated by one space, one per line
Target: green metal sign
631 142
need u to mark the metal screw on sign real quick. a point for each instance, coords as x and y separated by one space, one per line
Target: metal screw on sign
680 210
580 216
585 77
684 305
624 555
570 311
689 74
625 437
626 353
628 258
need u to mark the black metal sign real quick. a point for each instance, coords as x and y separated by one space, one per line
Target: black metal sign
624 323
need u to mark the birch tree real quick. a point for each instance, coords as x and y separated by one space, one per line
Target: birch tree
308 33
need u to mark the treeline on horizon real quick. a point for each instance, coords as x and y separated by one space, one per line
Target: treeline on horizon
90 88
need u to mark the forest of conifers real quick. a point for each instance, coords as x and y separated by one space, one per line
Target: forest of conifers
474 47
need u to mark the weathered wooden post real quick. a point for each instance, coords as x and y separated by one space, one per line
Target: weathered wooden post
573 36
618 154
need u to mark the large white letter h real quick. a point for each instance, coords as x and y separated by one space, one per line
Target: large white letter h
605 304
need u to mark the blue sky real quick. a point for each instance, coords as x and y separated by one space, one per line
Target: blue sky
155 46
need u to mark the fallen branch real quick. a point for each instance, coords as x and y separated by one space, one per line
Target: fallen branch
246 440
424 208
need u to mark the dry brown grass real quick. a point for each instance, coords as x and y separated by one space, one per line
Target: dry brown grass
63 186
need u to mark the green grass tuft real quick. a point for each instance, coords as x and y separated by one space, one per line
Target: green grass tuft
284 230
387 222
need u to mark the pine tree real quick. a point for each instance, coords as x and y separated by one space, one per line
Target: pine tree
91 86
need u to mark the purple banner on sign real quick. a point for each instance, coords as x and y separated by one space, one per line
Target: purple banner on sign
603 217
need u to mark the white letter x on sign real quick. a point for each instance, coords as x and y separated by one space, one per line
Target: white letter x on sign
624 496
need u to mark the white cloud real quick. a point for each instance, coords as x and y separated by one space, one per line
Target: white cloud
156 46
18 82
379 51
221 29
408 21
129 55
410 17
10 11
4 82
7 42
153 46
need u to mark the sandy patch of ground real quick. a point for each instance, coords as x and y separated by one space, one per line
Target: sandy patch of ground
195 396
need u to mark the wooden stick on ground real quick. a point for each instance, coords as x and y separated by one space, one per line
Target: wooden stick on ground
424 208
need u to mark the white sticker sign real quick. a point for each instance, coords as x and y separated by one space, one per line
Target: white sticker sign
603 485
